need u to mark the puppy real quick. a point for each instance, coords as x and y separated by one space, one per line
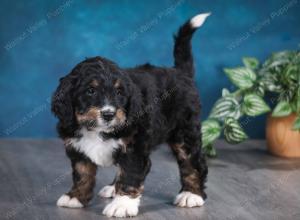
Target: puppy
114 116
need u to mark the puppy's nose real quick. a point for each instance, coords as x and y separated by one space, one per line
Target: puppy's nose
108 115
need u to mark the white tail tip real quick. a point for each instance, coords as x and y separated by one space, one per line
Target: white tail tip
198 20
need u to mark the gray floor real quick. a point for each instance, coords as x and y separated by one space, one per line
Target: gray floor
244 182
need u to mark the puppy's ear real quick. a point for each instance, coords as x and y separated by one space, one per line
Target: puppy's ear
61 105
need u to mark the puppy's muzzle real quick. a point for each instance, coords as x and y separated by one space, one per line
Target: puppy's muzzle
108 115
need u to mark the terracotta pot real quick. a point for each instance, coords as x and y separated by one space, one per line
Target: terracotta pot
281 139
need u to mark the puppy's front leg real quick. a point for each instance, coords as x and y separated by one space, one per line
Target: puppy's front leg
129 185
84 173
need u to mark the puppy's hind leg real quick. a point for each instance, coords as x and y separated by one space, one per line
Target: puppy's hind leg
109 191
84 175
192 168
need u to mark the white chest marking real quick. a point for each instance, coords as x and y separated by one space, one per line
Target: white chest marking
100 151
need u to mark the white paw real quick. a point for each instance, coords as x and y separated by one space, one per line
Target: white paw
107 191
66 201
122 206
188 199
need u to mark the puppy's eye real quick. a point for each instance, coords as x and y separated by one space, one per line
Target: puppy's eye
90 91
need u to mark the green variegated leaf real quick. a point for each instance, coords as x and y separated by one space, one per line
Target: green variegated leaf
250 62
225 92
279 59
296 125
270 82
287 94
283 108
298 98
291 73
210 130
260 91
254 105
210 151
242 77
226 107
294 107
233 131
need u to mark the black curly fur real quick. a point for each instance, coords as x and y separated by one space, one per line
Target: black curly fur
161 105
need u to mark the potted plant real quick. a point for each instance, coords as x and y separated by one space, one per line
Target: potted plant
279 75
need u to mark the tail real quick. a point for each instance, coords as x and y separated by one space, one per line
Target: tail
182 49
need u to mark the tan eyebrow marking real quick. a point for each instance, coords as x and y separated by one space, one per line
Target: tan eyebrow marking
95 83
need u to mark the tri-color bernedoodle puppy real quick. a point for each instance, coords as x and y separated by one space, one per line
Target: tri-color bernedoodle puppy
111 115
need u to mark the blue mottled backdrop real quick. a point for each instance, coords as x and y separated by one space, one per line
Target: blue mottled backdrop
42 40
